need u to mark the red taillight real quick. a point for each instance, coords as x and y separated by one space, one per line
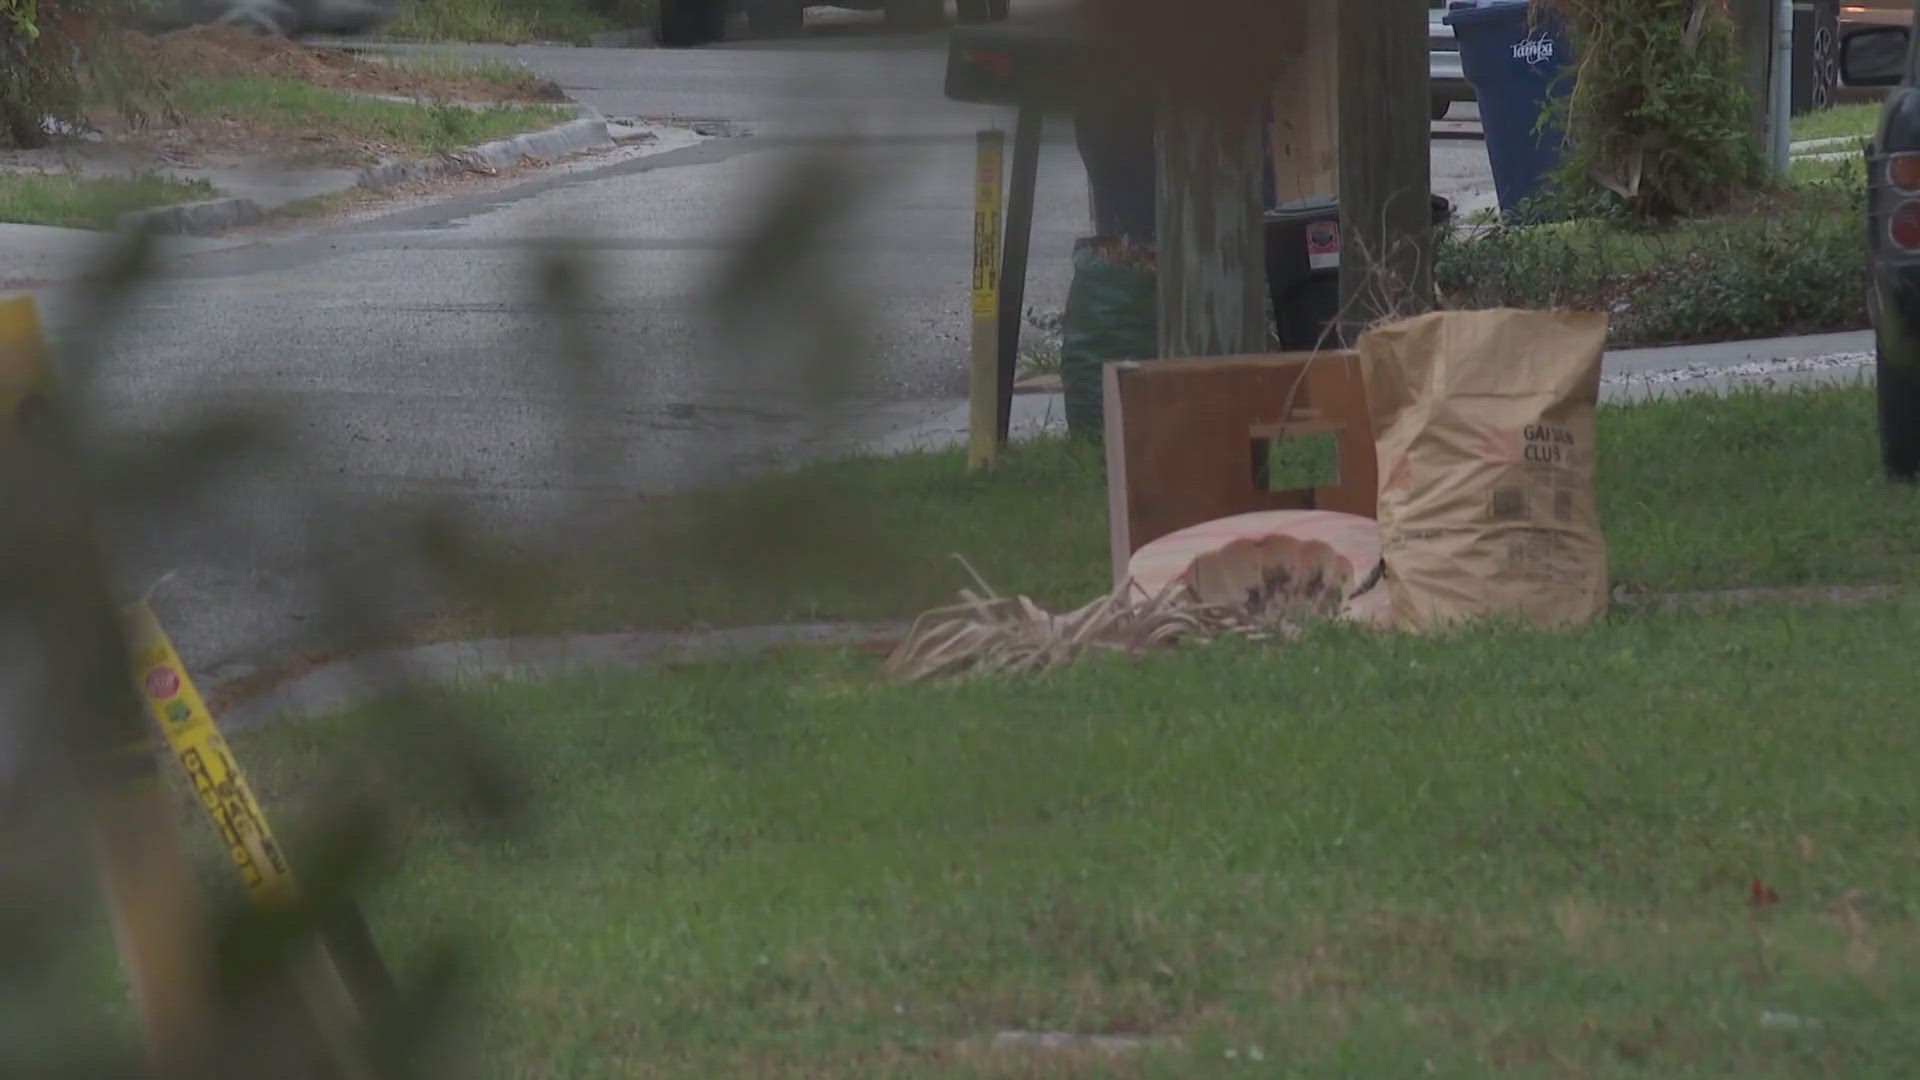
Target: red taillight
1903 226
1903 172
1001 64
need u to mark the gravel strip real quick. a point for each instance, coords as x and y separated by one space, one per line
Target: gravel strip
1784 373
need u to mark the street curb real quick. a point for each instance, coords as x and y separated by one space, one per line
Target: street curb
621 39
218 215
1832 142
572 137
365 680
384 675
194 218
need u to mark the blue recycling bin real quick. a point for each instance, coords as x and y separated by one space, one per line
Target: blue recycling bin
1515 58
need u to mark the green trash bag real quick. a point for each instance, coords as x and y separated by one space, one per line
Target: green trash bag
1112 314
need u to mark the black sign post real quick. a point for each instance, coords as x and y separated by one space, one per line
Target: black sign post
1031 65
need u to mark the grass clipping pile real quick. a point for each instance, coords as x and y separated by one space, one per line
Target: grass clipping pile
988 634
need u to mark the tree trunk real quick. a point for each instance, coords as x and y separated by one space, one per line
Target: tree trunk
1386 210
1211 260
1753 41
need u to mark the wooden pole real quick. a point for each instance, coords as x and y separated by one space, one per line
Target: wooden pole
983 396
1212 269
1386 210
155 906
1306 110
1212 65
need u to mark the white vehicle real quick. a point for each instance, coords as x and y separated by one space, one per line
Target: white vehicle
1443 62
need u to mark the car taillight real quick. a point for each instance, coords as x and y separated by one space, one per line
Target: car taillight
1001 64
1903 172
1903 226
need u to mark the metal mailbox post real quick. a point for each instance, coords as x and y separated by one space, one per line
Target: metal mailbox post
1031 65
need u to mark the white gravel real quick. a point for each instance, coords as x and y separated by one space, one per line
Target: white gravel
1770 374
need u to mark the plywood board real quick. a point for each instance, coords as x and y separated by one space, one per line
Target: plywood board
1182 438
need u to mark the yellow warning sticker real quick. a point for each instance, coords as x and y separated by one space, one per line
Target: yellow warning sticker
986 224
190 732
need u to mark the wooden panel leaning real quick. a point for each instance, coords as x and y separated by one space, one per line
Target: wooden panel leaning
1190 441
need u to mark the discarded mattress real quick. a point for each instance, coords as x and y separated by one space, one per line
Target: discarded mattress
1273 558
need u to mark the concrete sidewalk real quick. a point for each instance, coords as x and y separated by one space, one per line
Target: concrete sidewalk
1628 375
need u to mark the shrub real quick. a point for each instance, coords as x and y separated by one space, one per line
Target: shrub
1786 262
38 80
53 53
1657 118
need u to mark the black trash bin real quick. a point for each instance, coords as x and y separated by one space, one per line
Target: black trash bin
1303 268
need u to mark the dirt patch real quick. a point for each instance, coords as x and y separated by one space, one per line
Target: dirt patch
215 51
219 143
179 133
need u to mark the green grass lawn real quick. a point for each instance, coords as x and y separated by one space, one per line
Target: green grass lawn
1753 490
514 21
1850 170
72 202
1698 493
299 107
1837 121
450 64
1493 854
1490 853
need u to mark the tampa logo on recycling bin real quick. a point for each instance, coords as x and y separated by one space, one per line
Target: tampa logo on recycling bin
1535 50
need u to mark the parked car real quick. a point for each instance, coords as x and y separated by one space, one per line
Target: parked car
1885 56
1869 13
683 23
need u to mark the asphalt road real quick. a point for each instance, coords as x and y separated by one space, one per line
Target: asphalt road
412 361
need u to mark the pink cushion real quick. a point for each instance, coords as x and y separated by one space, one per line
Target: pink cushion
1304 541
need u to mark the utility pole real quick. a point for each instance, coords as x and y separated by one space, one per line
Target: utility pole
1211 260
1386 209
1780 135
1212 66
1306 108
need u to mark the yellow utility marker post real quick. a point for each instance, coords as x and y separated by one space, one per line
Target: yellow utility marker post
182 716
153 899
983 387
152 894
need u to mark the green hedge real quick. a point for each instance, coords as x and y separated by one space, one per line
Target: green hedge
1787 262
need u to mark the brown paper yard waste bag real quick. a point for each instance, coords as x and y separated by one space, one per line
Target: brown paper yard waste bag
1484 426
